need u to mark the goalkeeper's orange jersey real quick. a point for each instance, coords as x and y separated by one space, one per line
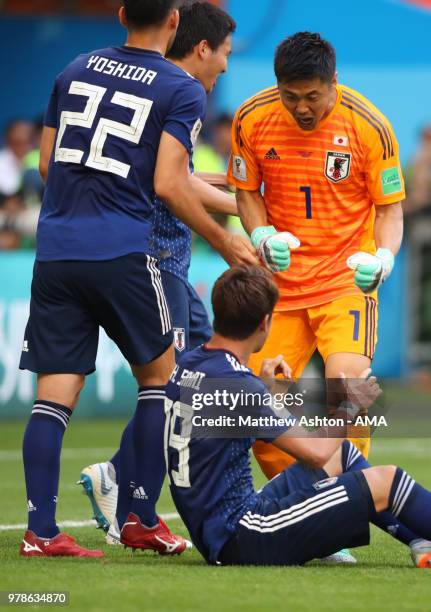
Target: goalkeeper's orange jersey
320 185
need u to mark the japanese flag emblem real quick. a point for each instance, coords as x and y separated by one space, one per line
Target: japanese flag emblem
337 166
179 338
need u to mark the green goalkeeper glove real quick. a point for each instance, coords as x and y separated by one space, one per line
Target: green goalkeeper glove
274 247
371 270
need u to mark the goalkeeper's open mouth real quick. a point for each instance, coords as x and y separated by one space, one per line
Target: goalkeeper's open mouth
305 123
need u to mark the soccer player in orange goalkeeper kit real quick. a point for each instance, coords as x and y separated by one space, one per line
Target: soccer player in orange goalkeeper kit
328 222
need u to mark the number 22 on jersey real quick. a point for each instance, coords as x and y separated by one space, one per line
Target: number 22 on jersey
105 127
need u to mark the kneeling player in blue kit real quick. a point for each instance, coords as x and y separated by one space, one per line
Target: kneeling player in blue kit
323 503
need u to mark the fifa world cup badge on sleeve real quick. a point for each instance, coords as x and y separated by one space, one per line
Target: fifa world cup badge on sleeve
337 166
391 181
239 168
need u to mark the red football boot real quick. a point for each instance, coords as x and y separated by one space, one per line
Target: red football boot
158 538
62 545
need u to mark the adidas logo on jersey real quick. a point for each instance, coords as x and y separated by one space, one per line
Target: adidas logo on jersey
139 493
30 506
272 154
25 348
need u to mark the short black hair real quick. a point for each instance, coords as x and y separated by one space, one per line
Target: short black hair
200 21
241 298
142 14
303 56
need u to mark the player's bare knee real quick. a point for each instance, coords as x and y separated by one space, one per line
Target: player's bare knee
334 467
61 389
157 372
349 363
380 479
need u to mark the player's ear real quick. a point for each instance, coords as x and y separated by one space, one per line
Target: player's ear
266 323
335 79
122 16
202 49
174 19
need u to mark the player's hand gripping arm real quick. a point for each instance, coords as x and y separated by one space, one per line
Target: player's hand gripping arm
317 447
213 200
172 183
372 270
273 247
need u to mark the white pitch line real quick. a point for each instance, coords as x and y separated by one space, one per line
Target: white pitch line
67 453
169 516
413 446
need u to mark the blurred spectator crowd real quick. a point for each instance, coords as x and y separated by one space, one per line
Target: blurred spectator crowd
21 187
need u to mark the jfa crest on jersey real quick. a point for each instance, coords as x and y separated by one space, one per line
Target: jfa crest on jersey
337 167
179 338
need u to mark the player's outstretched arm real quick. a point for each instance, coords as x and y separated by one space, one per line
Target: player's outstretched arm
214 200
317 447
172 183
314 449
216 179
46 148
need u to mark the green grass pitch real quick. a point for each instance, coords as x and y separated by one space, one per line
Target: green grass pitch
384 578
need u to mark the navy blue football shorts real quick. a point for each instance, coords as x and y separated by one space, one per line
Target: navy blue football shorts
189 317
71 299
298 519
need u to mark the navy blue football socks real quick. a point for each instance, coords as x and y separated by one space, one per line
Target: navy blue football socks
148 436
126 477
411 503
41 453
353 461
142 458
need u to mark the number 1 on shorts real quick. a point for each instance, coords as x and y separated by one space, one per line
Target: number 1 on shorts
355 314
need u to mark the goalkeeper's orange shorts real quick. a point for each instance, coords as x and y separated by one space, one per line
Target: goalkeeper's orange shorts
345 325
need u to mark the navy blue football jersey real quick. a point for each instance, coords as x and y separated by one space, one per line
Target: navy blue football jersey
170 242
110 108
210 477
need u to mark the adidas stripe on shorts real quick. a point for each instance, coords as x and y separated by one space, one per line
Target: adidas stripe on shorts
298 519
71 299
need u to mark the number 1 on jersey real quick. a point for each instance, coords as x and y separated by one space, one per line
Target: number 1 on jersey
307 192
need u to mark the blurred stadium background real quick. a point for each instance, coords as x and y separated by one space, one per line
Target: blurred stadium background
383 51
